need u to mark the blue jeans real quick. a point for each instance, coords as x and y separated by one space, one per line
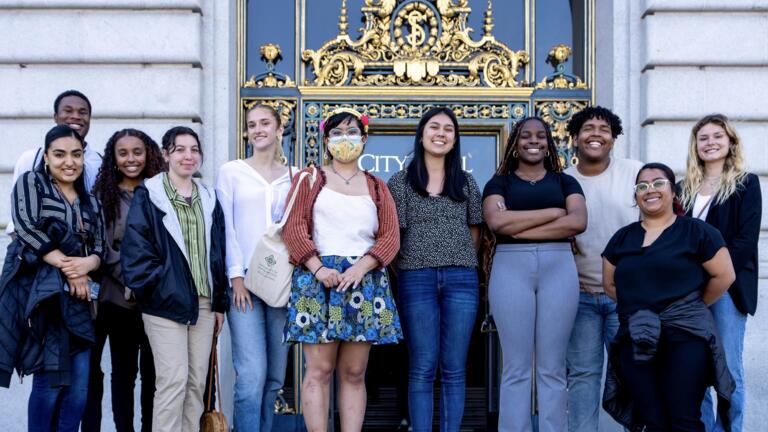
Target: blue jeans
437 307
731 325
59 408
259 358
596 325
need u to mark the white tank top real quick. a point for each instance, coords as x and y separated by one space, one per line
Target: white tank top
344 225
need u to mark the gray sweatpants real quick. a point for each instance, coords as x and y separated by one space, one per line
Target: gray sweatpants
534 296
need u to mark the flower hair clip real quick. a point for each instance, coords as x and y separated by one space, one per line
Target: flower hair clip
362 117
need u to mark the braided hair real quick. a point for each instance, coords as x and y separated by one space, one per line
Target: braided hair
509 163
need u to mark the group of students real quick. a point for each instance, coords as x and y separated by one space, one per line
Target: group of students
606 253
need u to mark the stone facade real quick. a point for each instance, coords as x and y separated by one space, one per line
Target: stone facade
153 64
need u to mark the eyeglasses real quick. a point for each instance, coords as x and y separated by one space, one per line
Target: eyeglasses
655 185
351 132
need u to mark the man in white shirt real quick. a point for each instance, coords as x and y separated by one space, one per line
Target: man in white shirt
607 183
74 109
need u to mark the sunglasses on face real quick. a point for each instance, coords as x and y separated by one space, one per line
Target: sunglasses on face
643 187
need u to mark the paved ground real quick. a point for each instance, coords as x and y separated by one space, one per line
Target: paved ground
13 401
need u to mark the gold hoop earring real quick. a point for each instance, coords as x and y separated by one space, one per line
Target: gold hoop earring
574 160
515 154
547 153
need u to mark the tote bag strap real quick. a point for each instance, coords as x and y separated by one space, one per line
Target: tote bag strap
289 207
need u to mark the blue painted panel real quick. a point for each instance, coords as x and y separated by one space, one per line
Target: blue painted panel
270 22
508 20
555 25
386 154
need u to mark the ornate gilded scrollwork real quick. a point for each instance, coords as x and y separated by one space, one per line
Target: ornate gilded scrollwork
559 79
286 109
314 112
271 54
419 42
557 114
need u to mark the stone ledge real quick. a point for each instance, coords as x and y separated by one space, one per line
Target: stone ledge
668 142
696 39
688 93
104 37
26 134
195 5
652 6
115 91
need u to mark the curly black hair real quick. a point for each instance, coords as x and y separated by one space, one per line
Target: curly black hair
106 187
588 113
509 162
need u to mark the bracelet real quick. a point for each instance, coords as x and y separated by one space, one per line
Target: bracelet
314 273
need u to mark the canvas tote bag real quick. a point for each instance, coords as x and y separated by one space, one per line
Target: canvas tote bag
269 272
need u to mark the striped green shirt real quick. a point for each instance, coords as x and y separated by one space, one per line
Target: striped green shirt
192 223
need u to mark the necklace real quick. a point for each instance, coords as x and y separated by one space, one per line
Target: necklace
346 179
531 180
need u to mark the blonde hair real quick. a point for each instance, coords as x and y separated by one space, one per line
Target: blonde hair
279 154
734 172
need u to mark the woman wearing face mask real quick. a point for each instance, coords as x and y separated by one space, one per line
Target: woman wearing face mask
439 209
718 189
130 156
663 272
172 258
341 234
46 327
252 193
534 209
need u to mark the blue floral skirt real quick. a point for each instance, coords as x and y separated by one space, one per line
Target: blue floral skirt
317 314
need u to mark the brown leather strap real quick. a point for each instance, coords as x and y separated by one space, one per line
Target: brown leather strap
211 370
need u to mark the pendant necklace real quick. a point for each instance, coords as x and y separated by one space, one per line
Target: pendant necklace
531 181
346 180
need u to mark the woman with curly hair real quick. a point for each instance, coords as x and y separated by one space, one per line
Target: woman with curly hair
718 190
534 209
129 157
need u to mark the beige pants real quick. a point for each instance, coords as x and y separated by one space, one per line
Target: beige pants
181 354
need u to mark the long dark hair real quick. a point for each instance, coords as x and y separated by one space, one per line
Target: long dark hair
417 175
64 131
510 163
106 188
677 208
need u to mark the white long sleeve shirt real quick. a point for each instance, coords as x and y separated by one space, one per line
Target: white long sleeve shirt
250 203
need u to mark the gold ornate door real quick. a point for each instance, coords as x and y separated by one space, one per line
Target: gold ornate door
493 63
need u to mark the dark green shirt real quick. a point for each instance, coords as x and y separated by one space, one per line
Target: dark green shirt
192 223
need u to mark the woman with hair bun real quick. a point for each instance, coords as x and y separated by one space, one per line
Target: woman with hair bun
172 258
341 234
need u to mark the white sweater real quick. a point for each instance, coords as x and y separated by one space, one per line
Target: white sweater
610 206
250 204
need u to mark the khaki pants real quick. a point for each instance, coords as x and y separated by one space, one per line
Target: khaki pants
181 355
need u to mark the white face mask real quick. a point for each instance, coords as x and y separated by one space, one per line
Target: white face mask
345 148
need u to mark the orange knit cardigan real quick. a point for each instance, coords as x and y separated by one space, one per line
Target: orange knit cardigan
298 228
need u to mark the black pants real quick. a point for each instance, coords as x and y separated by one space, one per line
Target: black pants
668 391
130 351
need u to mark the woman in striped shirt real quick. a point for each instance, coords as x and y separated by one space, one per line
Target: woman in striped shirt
60 223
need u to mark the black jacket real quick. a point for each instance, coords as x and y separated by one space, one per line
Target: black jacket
738 220
154 260
41 326
643 329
